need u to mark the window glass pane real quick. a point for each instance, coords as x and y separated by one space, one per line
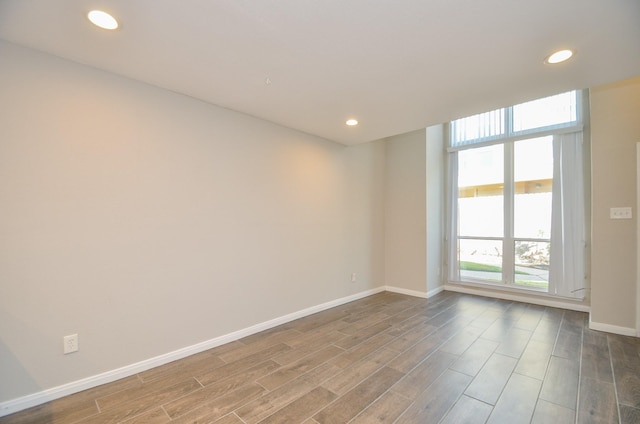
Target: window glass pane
545 112
480 260
533 181
532 264
480 227
477 127
480 192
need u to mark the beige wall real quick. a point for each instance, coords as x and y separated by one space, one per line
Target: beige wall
414 198
405 213
146 221
615 130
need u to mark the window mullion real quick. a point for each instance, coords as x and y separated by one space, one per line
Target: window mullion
508 117
508 253
453 263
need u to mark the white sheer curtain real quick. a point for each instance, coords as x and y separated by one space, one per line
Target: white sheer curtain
567 276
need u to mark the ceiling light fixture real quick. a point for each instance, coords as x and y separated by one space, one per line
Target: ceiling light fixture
102 19
559 56
352 122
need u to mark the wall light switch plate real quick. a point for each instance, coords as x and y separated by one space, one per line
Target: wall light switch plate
620 213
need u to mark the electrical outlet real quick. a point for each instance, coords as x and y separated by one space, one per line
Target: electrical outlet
70 343
353 277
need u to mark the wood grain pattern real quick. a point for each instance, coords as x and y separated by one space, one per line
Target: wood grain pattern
547 412
302 408
514 343
597 402
517 402
422 376
386 358
535 359
355 400
596 361
629 415
469 411
561 382
385 409
625 353
221 406
490 381
359 371
155 416
434 403
474 358
296 369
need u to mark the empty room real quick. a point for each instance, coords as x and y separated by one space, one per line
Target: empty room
296 211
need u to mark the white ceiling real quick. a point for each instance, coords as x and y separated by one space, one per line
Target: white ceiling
395 65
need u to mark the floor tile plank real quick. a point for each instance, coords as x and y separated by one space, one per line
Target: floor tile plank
517 402
357 353
143 404
547 412
155 416
289 372
359 371
383 410
461 341
474 358
357 399
488 384
514 343
229 419
219 388
535 359
302 408
434 403
629 415
625 353
561 382
237 367
411 357
422 376
221 406
596 361
273 401
468 411
597 402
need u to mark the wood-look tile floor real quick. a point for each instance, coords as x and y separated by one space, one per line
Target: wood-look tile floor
388 358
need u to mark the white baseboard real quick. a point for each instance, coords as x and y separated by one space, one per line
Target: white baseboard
615 329
24 402
415 293
408 292
543 301
433 292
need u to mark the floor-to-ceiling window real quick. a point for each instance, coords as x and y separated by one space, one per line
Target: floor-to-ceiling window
516 210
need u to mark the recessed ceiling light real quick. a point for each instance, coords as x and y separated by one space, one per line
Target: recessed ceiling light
102 19
559 56
352 122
